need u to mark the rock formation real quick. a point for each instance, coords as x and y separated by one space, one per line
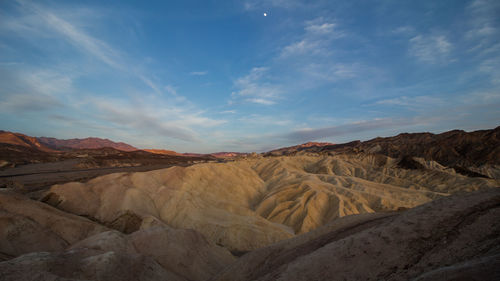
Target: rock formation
252 203
454 238
53 247
30 226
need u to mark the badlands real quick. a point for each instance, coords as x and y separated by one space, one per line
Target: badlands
321 213
248 204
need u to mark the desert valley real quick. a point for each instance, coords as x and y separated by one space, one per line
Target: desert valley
413 206
249 140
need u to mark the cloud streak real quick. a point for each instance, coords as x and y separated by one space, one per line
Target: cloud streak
414 103
431 49
42 88
318 34
309 134
27 102
198 73
251 5
254 89
483 14
153 118
85 42
77 37
33 90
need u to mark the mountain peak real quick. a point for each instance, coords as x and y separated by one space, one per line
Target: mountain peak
86 143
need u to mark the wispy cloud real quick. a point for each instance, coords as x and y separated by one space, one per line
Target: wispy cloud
154 118
315 27
314 65
491 97
199 73
431 49
267 4
143 122
52 91
301 47
27 102
40 88
82 40
265 120
483 33
74 35
322 67
33 89
491 67
417 102
254 88
318 33
404 30
308 134
171 90
491 50
483 15
315 57
331 72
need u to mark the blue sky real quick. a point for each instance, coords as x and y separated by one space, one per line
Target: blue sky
205 76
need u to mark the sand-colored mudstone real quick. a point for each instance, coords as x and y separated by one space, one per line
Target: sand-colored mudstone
247 204
30 226
453 238
183 252
156 252
84 264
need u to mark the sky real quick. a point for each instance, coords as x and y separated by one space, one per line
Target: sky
206 76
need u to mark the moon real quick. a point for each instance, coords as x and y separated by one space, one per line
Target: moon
265 14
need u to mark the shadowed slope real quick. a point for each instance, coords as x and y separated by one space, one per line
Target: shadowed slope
154 252
470 153
27 226
455 236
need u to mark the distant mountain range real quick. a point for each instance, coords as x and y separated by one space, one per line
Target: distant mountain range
453 148
86 143
216 154
53 144
24 141
309 146
47 144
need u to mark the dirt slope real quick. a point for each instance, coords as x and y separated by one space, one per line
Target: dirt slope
457 236
39 242
154 253
28 226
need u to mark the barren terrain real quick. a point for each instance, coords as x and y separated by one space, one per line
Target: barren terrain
247 204
318 213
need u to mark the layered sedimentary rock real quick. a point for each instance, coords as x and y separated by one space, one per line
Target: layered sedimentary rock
247 204
155 252
453 238
29 226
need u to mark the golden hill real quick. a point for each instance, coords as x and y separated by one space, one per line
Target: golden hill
247 204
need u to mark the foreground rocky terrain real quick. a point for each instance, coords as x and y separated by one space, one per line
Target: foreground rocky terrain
29 226
73 247
452 238
367 211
